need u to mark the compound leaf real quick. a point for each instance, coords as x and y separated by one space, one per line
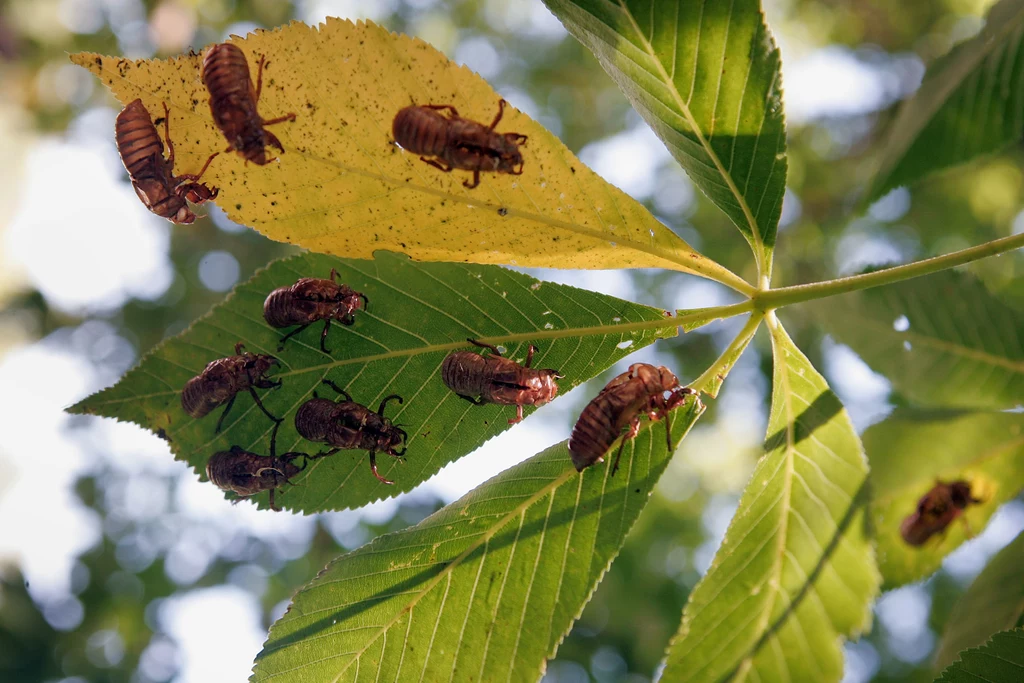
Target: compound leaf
706 76
484 589
796 570
342 187
418 313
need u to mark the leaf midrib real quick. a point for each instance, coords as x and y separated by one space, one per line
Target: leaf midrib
688 116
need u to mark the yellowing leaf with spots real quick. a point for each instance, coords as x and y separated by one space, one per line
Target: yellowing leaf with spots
343 187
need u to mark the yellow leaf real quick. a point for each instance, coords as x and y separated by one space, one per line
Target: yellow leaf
342 187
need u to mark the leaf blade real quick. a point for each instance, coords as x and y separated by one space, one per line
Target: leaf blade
993 602
795 572
933 338
910 449
504 574
736 154
939 126
344 188
1000 660
419 312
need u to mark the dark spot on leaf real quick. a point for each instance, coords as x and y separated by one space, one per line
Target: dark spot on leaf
238 206
503 211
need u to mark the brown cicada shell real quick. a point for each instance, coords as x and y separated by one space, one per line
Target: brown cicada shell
152 175
496 379
247 474
233 102
312 299
936 510
223 378
638 391
457 142
347 425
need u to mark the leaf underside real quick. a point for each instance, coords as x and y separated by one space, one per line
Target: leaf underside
910 450
942 340
483 590
1000 660
343 187
418 313
970 103
706 76
994 602
796 569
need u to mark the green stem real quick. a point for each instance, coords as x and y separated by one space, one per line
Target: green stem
770 299
711 380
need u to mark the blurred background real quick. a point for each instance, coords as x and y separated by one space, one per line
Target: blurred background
117 564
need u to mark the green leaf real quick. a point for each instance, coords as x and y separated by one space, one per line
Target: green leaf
706 76
485 588
970 103
796 570
994 602
343 187
941 340
912 449
1000 660
418 313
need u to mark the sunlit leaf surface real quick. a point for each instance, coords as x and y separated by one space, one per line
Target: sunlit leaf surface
418 313
483 590
942 340
343 188
1000 660
910 450
706 76
970 103
796 570
994 602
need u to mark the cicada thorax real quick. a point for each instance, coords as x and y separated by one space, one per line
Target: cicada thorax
936 510
457 142
222 379
496 379
638 391
233 102
347 425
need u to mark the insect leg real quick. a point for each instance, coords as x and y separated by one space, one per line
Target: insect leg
279 119
323 454
668 432
519 416
167 136
280 346
334 274
272 141
259 403
273 506
366 302
501 110
529 356
323 336
494 349
437 164
197 176
338 389
380 411
634 429
452 111
227 409
373 468
474 401
476 181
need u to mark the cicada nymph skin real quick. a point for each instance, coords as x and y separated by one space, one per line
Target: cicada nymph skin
450 142
347 425
246 474
936 510
641 390
152 175
224 378
495 379
233 101
310 300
